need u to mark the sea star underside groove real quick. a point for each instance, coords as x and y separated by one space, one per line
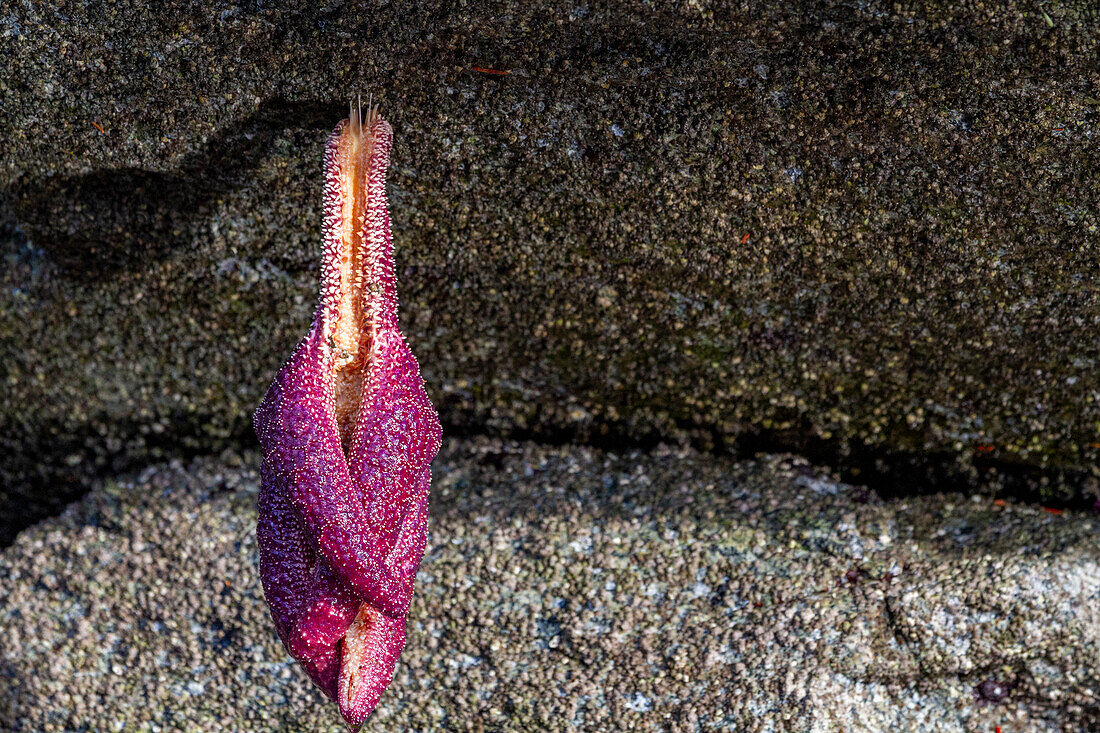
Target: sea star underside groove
347 433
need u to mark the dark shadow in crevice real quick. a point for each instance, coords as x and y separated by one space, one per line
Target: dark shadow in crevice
889 473
44 470
56 465
99 224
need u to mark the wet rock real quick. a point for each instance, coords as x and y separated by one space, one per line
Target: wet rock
570 588
860 231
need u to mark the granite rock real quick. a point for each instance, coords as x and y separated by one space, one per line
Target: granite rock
567 588
846 230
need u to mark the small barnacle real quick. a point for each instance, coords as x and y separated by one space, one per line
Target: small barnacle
991 691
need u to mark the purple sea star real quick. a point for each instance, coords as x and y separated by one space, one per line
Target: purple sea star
348 434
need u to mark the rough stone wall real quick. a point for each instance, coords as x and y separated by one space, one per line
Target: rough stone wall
859 229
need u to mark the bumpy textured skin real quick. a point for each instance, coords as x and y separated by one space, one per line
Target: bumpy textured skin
336 532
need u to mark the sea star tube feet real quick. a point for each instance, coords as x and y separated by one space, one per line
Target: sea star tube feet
348 434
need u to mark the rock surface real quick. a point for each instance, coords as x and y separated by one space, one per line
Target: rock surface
568 588
850 226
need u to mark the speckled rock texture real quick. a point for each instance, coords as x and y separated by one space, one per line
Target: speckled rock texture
856 227
573 589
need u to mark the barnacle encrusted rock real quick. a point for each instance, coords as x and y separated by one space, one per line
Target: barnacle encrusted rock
566 588
917 181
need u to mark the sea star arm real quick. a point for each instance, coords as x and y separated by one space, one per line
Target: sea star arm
351 516
348 435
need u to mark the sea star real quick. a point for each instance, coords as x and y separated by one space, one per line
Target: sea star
347 434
